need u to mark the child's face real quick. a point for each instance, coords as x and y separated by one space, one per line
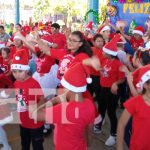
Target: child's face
137 36
4 54
20 75
106 34
99 43
147 86
17 42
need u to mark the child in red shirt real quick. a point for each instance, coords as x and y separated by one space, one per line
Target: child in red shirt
138 108
70 115
24 84
6 61
136 40
110 78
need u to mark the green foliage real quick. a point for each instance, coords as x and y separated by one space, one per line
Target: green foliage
41 8
69 8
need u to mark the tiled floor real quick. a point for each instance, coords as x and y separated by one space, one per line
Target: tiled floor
97 144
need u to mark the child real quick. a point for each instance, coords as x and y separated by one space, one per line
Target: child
5 115
5 51
138 108
110 78
105 32
70 131
136 40
24 84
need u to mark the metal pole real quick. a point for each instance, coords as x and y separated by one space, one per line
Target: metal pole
17 11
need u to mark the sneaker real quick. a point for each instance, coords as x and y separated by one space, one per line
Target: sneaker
97 128
111 141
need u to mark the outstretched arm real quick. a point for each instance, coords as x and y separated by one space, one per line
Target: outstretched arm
121 127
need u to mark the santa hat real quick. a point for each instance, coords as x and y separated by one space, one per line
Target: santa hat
20 60
89 26
47 39
103 28
121 41
111 47
143 76
76 78
138 30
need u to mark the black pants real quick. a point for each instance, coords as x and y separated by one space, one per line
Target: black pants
34 135
128 132
123 93
108 101
94 87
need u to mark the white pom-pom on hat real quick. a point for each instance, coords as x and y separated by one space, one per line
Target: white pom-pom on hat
89 80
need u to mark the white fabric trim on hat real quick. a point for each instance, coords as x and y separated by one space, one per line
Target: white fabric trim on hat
20 67
71 87
109 52
17 37
49 43
87 29
144 79
105 28
137 32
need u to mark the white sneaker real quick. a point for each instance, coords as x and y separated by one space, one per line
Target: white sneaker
111 141
96 129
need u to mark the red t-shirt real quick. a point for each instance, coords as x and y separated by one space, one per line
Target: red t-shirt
66 59
136 43
140 112
71 120
6 65
59 39
110 72
43 62
25 95
99 53
5 81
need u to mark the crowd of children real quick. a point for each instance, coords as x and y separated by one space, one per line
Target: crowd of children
59 77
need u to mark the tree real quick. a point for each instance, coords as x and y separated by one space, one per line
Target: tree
41 8
68 8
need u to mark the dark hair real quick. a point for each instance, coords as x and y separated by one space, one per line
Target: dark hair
19 25
2 27
144 56
55 25
85 47
6 49
97 36
12 24
144 90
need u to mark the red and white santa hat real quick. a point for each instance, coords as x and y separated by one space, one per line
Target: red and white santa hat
47 39
143 76
138 30
89 26
121 41
103 28
76 78
20 60
111 47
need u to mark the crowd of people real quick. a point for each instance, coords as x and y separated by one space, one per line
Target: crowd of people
67 80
